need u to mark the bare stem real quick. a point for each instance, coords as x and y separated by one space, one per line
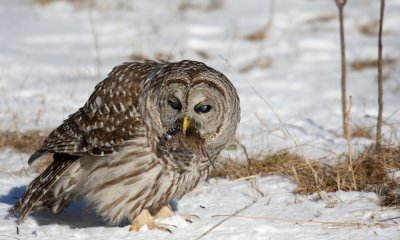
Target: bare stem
340 4
226 219
380 80
350 149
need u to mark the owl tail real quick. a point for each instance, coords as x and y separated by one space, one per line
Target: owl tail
33 199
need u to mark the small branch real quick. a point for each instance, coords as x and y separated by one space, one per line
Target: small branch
8 236
340 4
380 80
226 219
349 146
311 221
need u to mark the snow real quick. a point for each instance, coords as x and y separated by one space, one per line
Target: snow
52 56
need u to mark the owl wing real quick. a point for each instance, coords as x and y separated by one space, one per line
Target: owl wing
107 120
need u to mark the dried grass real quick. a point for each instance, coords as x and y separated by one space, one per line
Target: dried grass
362 132
262 62
159 55
322 19
371 172
77 3
262 34
371 168
203 54
370 28
362 64
26 142
211 6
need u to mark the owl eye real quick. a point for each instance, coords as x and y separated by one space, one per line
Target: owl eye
175 105
203 108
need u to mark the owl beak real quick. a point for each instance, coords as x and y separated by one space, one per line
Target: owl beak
185 124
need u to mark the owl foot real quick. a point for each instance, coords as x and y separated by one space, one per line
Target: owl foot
167 212
151 226
145 218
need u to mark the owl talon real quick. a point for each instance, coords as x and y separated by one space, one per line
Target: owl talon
166 212
145 218
134 228
162 227
159 226
190 218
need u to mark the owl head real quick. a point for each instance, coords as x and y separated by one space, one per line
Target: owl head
194 101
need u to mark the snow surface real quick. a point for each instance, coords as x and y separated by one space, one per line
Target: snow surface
52 56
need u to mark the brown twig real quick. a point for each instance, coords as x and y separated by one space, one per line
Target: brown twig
311 221
340 4
349 145
380 79
226 219
3 235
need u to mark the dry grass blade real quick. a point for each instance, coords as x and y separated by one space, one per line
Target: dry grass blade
262 33
361 132
27 141
212 6
311 221
369 171
359 65
226 219
8 236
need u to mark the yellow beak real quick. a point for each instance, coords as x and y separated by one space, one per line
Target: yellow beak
185 124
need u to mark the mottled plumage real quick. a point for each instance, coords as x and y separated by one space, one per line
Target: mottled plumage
148 133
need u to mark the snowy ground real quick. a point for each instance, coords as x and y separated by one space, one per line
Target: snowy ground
52 56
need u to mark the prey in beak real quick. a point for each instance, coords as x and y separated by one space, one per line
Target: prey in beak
184 136
195 142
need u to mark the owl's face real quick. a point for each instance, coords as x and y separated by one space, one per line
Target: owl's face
198 107
198 102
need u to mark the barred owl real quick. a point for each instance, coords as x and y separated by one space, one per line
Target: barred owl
148 133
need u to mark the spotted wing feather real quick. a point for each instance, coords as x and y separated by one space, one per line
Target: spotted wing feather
107 120
99 128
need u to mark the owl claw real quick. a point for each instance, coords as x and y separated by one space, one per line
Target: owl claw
190 218
134 228
162 227
145 218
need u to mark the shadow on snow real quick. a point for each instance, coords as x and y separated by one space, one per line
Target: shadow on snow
76 215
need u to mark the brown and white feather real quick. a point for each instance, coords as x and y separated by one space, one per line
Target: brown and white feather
124 150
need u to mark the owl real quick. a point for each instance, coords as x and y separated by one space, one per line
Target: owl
146 136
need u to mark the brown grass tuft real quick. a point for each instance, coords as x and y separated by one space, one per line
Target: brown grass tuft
322 19
362 132
371 172
159 55
370 28
27 141
359 65
212 6
76 3
262 62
